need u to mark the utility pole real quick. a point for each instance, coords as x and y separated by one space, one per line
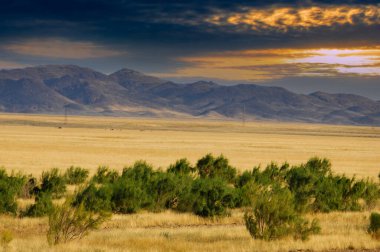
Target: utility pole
243 115
65 121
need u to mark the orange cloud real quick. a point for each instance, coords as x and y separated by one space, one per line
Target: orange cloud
286 18
57 48
261 65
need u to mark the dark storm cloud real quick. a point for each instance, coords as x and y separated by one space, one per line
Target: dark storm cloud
155 32
136 22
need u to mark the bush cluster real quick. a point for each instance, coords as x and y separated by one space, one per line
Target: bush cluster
10 187
76 175
314 187
275 198
206 189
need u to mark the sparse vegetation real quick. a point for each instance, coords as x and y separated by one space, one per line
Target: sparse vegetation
93 198
211 167
43 206
272 215
212 197
105 175
53 182
374 225
76 175
67 223
275 198
181 166
10 187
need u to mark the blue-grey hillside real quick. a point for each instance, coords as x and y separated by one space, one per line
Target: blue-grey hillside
49 89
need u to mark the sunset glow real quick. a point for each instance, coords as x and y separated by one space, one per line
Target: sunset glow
262 65
349 57
286 18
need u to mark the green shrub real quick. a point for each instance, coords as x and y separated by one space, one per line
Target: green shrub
247 193
29 187
318 166
374 225
131 191
76 175
53 182
315 188
272 173
302 183
183 197
43 206
273 216
339 193
370 194
212 197
243 179
128 196
93 198
210 167
10 187
163 188
140 172
308 180
68 223
181 167
105 175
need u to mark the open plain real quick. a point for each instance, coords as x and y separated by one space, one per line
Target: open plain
34 143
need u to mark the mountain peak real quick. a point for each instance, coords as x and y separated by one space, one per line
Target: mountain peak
129 76
127 71
204 83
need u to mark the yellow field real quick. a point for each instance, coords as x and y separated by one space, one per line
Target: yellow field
32 144
170 231
35 143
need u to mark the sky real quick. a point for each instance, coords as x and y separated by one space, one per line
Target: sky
305 46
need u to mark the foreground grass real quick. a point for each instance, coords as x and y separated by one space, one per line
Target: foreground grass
169 231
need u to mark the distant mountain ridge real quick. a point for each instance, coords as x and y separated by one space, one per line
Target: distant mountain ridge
51 88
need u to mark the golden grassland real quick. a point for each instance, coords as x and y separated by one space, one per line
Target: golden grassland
34 143
169 231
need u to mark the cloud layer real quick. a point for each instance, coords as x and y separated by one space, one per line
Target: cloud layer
234 40
270 64
57 48
284 19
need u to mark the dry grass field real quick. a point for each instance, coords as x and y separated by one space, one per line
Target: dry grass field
170 231
33 143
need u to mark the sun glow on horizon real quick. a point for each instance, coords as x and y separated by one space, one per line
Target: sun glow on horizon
354 61
351 57
262 65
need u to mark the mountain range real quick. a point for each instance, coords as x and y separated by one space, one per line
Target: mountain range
53 89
